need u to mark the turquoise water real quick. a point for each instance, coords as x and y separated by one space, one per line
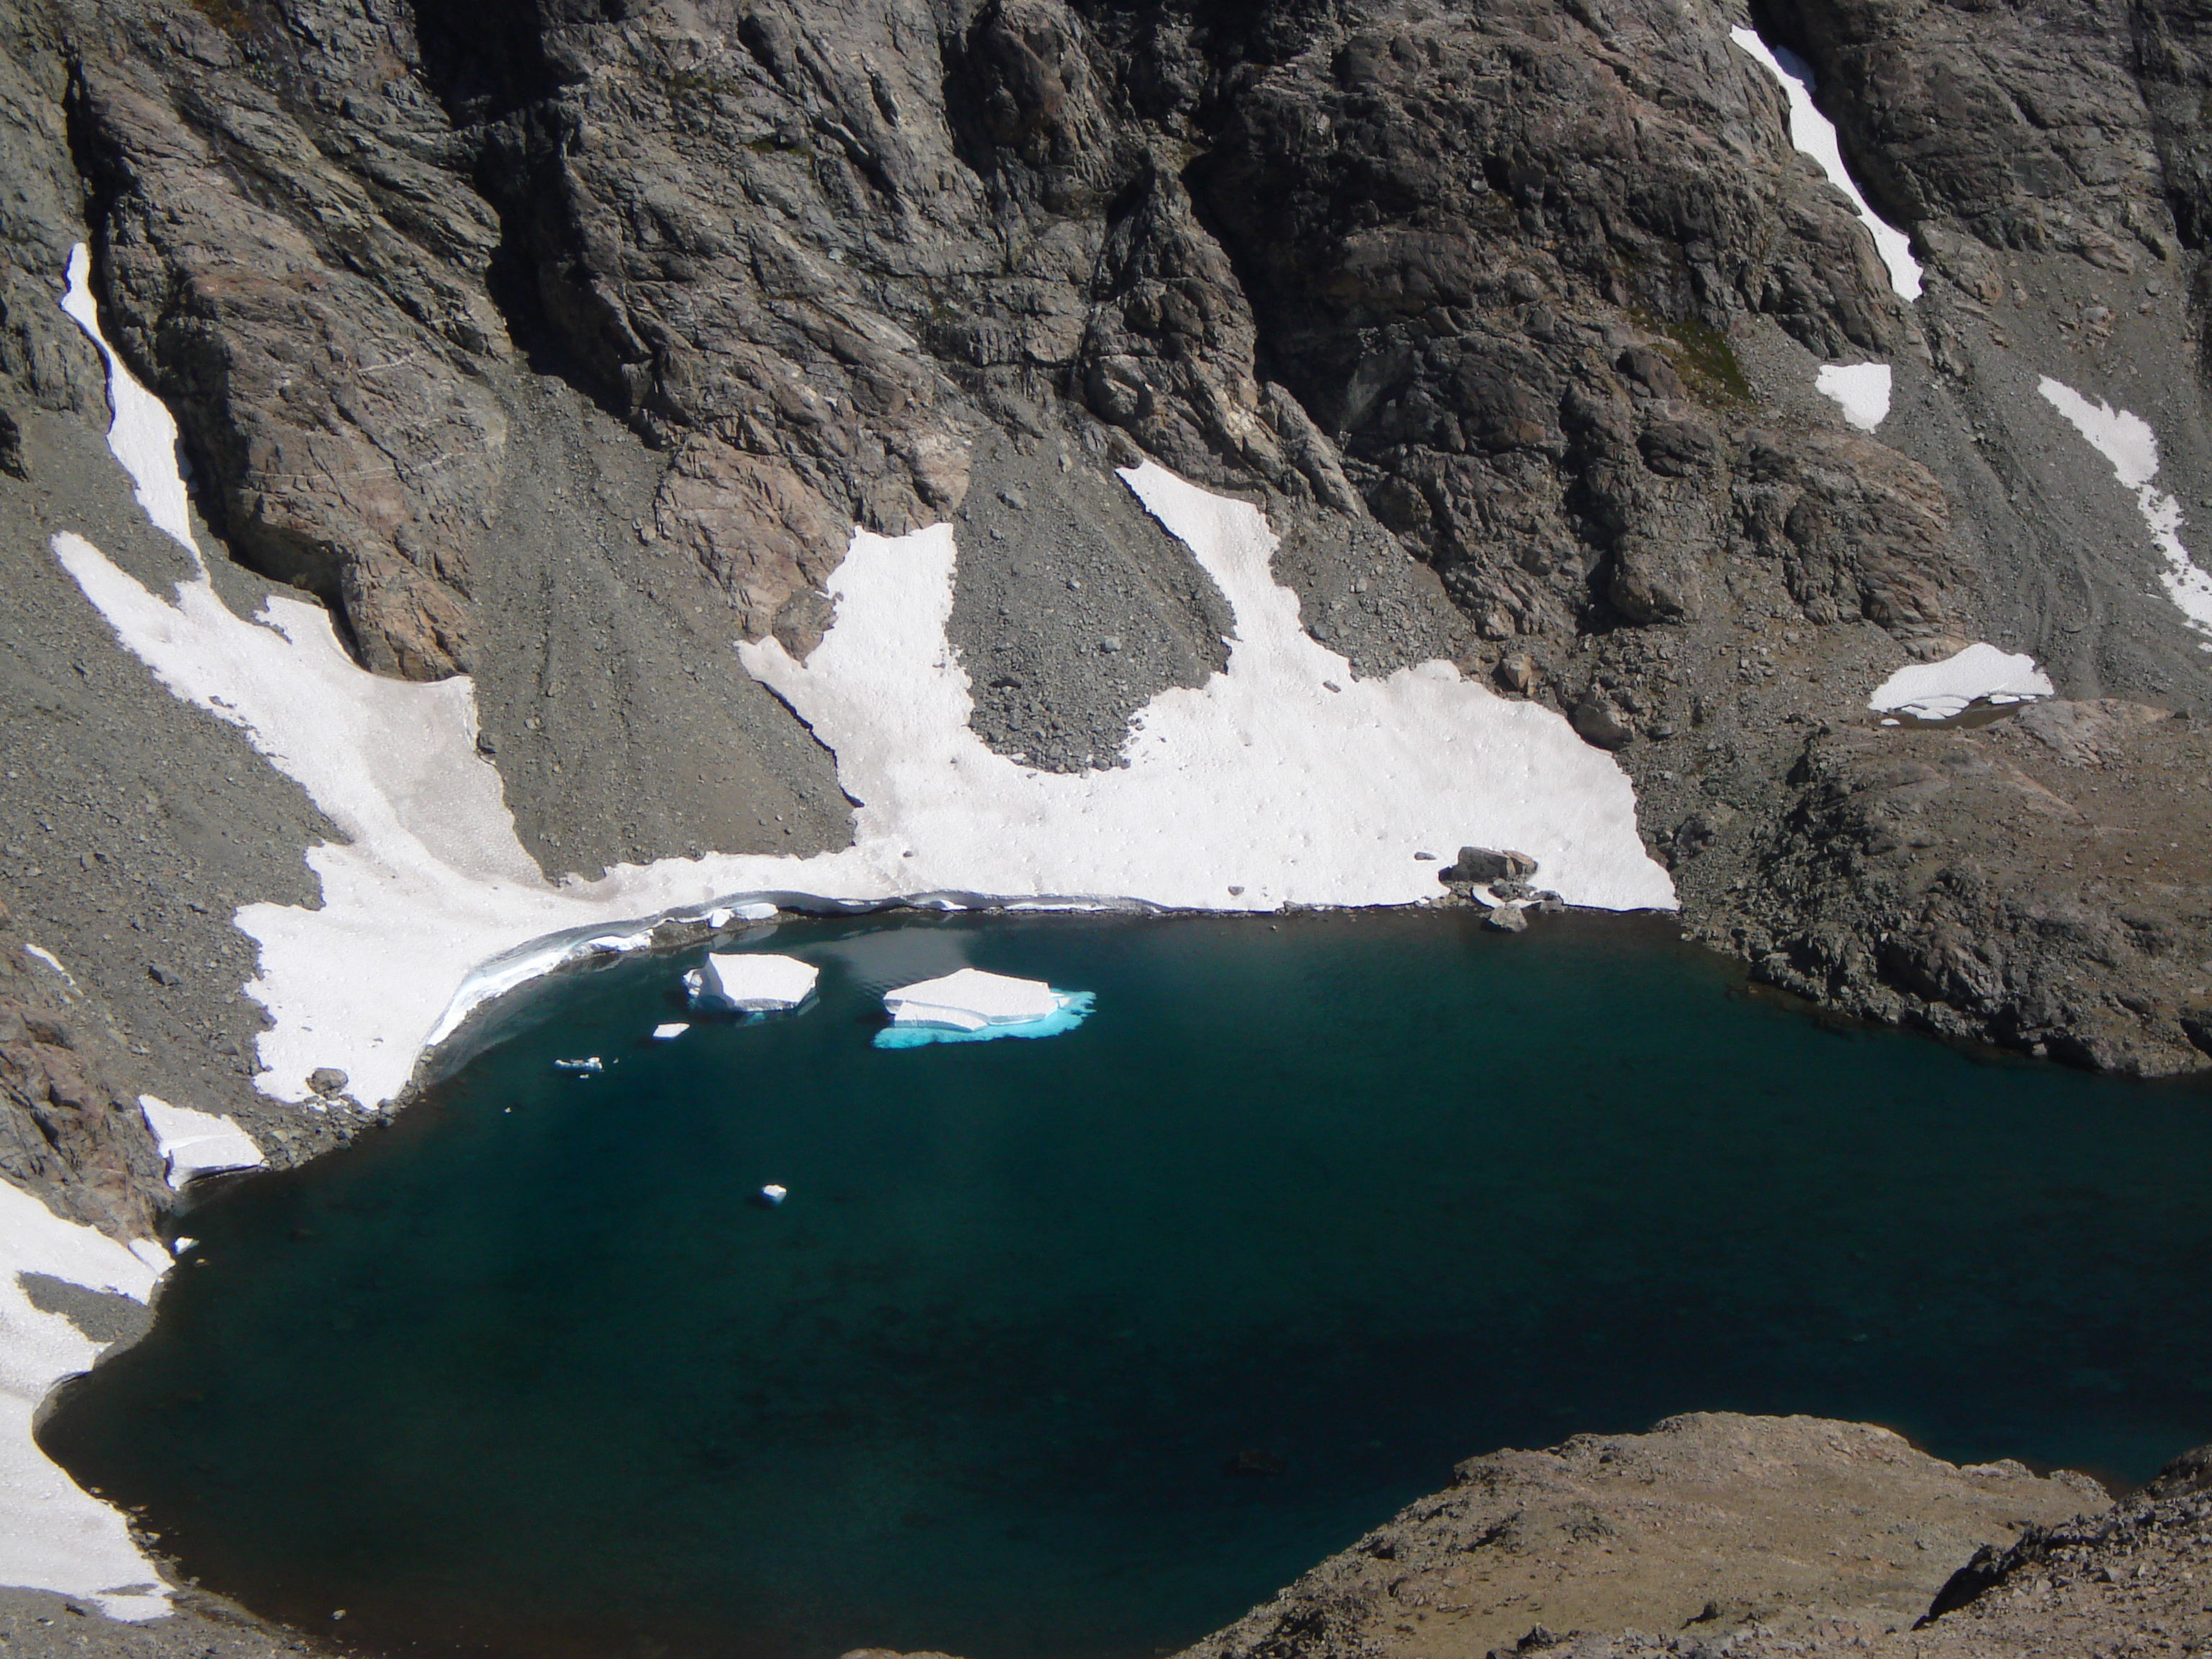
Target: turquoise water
1077 1346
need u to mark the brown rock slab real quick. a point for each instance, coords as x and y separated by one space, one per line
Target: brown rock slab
1709 1523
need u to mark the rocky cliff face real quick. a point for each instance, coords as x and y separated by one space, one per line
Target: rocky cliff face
550 343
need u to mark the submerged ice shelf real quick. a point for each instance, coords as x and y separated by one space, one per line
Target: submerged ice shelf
972 1005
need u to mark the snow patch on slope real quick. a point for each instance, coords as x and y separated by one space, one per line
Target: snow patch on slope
2127 441
53 1534
140 431
1943 691
1262 788
1861 389
1815 134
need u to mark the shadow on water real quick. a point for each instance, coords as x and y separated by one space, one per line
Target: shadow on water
1080 1346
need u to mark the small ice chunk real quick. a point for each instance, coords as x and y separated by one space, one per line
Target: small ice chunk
754 984
669 1032
971 999
195 1144
1863 389
772 1195
181 1243
590 1066
754 910
1941 691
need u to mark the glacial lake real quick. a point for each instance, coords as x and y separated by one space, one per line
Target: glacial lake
1074 1348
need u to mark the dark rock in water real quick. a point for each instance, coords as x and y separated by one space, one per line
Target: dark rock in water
1486 864
1507 919
2190 1472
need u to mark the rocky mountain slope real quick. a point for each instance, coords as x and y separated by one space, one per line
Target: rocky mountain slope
562 346
561 342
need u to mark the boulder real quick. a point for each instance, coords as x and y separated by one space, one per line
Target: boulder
1486 864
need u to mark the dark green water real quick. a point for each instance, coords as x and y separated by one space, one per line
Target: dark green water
524 1375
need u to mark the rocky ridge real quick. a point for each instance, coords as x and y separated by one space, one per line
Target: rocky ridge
1723 1537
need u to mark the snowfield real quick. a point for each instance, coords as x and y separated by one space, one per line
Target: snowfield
2127 441
195 1144
1284 780
1860 389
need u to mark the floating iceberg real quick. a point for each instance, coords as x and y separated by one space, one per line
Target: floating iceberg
1943 691
974 1006
671 1030
752 984
195 1144
590 1066
771 1195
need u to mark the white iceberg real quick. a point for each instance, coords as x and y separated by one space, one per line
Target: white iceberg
194 1144
752 983
590 1066
1942 690
972 1005
671 1030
